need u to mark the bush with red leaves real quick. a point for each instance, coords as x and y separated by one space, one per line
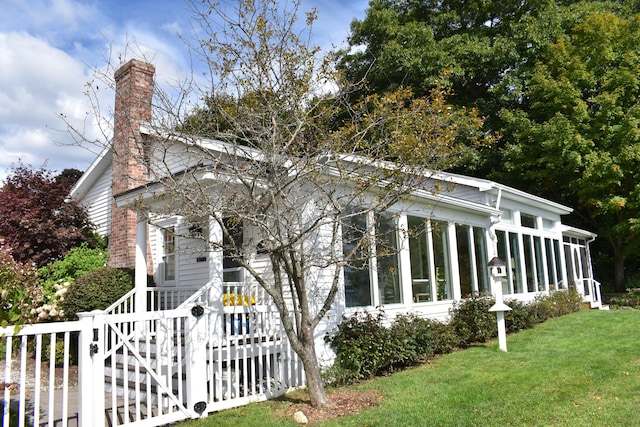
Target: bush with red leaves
36 220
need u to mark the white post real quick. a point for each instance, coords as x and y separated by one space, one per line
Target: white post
196 361
141 265
91 348
502 334
497 272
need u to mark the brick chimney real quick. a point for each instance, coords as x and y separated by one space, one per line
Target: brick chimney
134 91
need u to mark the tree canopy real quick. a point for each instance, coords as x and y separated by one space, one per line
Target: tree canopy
580 137
37 222
290 156
555 80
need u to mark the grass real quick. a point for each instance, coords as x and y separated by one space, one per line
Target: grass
582 369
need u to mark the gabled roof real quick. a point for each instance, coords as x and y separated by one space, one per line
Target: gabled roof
92 174
103 162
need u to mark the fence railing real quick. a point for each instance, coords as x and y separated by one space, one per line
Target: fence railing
169 298
149 368
40 374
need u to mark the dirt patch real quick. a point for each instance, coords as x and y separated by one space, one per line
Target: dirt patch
343 402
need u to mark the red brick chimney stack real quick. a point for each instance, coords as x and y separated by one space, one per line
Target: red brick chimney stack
134 92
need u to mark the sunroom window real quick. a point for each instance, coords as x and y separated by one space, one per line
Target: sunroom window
472 260
430 266
371 246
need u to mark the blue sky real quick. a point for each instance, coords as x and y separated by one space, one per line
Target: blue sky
49 47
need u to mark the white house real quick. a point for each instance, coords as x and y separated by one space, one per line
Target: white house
443 241
440 266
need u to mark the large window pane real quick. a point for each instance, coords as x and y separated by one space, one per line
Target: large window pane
168 257
558 257
357 282
480 245
387 261
503 254
540 277
464 260
420 259
441 259
529 263
515 262
551 264
231 269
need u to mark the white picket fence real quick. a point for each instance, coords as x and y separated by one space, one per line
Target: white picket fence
149 368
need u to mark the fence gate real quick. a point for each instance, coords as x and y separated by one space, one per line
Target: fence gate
146 369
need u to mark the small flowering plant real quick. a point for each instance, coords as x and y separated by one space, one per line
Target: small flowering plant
19 290
51 309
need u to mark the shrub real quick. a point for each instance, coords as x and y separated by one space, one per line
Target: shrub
472 321
55 278
96 290
556 304
19 291
422 338
520 317
77 262
360 343
630 299
365 347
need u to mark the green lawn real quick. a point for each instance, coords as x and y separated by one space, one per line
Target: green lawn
577 370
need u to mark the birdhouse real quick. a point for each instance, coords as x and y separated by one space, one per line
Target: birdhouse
497 267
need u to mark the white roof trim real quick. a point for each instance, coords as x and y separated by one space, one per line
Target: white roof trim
482 185
578 232
93 172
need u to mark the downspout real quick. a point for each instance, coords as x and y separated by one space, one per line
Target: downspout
492 231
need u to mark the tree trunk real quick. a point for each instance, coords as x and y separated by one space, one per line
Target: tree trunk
618 272
312 372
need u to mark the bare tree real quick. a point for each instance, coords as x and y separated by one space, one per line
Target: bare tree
287 155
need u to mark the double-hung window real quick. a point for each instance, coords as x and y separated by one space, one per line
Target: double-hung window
169 253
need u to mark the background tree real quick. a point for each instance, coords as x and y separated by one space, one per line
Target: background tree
488 55
36 220
283 166
580 137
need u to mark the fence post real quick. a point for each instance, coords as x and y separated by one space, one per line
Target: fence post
91 349
196 361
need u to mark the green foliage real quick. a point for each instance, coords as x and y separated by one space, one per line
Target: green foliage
55 278
520 317
19 291
96 290
77 262
360 345
365 347
472 320
59 350
556 304
630 299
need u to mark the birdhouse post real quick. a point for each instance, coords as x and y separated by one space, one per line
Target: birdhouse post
498 270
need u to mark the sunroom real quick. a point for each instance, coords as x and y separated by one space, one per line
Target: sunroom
428 255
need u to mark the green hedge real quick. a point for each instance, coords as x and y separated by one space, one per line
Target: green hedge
365 347
96 290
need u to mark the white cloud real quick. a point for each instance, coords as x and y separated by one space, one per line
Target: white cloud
36 83
47 48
